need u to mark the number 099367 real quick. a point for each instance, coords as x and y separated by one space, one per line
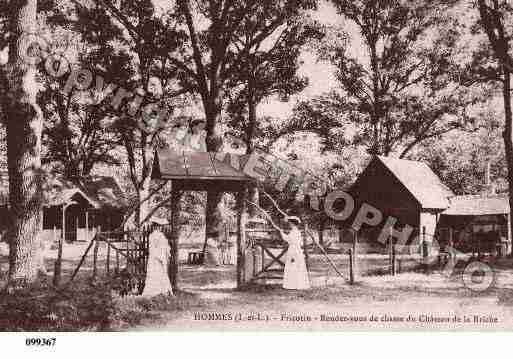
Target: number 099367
40 342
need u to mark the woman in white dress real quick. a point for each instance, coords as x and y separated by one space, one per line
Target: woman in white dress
157 278
296 273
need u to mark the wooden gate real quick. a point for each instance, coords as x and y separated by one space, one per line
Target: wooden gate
137 249
265 255
126 259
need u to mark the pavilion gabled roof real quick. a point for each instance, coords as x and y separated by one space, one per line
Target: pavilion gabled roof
185 165
201 171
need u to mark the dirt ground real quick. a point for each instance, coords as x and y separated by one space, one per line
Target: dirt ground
410 299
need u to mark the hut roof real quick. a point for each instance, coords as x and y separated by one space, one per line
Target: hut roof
104 190
98 191
478 205
57 191
420 181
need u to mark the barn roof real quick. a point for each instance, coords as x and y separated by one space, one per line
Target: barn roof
478 205
420 181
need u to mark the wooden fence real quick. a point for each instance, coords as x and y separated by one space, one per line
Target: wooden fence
125 259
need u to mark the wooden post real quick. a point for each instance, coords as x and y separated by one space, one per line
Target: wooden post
424 243
321 232
117 262
63 227
473 241
254 262
351 269
95 258
241 208
263 258
394 270
54 233
175 234
82 260
479 237
108 258
391 252
87 224
509 250
305 249
425 250
58 262
127 248
355 253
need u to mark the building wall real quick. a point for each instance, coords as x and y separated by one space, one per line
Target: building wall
77 226
378 187
464 229
428 220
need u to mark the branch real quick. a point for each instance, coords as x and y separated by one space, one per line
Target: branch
275 204
266 214
184 5
491 22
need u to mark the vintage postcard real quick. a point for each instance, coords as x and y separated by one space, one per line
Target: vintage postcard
291 165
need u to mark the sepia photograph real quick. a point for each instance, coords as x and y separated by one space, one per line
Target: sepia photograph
255 165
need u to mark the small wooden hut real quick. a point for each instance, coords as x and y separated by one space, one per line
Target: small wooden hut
79 208
477 223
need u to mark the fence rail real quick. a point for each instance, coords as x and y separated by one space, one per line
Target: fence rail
127 251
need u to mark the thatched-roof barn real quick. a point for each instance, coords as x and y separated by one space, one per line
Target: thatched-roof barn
412 193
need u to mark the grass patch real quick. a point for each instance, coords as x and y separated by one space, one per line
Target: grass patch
83 307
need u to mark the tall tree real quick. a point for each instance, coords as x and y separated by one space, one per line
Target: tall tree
215 53
209 54
462 158
397 92
76 135
136 61
496 19
24 121
269 69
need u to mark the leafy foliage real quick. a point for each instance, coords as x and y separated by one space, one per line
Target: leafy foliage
400 91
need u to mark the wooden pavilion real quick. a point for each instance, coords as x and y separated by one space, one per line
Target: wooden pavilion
202 171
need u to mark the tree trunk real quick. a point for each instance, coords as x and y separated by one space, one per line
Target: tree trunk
144 206
24 125
241 238
253 192
508 135
322 223
253 196
213 213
